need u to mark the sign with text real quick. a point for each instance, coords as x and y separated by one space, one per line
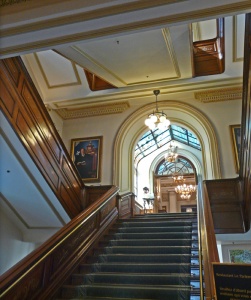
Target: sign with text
232 281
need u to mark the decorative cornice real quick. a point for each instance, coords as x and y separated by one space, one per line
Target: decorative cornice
91 111
219 95
11 2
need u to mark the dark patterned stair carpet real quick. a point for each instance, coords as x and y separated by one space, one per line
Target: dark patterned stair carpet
144 258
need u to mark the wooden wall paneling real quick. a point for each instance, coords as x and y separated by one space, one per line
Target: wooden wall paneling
23 107
92 193
209 55
126 205
225 200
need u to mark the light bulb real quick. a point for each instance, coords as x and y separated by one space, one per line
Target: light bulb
154 118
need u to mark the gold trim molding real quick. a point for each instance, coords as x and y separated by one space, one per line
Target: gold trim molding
92 111
219 95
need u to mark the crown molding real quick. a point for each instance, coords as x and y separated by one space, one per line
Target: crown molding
91 111
219 95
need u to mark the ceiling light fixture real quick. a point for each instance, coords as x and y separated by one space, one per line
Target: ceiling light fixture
171 154
157 119
185 191
179 179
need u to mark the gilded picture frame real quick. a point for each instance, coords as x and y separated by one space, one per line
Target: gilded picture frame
235 132
86 154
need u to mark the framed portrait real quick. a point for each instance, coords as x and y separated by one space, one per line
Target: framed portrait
235 131
86 154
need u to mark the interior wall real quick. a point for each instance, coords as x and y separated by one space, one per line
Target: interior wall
106 126
117 164
13 248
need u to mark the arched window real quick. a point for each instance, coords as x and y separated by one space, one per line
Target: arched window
157 138
181 166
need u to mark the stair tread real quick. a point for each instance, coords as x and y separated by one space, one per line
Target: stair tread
138 286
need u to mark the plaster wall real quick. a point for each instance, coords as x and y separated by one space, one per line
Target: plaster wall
220 114
13 248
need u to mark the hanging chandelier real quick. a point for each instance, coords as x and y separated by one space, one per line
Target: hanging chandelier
171 154
179 179
185 191
185 196
157 119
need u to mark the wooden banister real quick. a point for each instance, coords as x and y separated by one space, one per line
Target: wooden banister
41 273
25 111
208 246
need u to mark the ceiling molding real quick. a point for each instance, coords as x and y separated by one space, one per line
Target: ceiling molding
98 64
91 111
51 41
171 52
219 95
97 100
43 72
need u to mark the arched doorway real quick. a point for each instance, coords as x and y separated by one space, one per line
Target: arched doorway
165 184
152 170
179 113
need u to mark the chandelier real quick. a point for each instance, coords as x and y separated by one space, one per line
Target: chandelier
185 191
179 179
171 154
157 119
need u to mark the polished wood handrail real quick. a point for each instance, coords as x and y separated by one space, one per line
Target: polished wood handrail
25 111
208 246
41 273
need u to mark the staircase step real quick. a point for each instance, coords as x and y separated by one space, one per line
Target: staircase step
156 235
172 229
154 223
144 279
128 292
142 242
147 250
137 268
143 258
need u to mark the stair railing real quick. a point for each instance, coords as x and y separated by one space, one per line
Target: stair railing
42 272
199 220
208 246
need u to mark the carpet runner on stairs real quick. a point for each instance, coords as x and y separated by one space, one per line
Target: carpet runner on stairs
145 257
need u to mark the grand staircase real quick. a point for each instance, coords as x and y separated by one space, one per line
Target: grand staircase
145 257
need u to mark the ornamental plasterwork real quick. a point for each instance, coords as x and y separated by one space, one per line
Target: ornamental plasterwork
91 111
10 2
219 95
